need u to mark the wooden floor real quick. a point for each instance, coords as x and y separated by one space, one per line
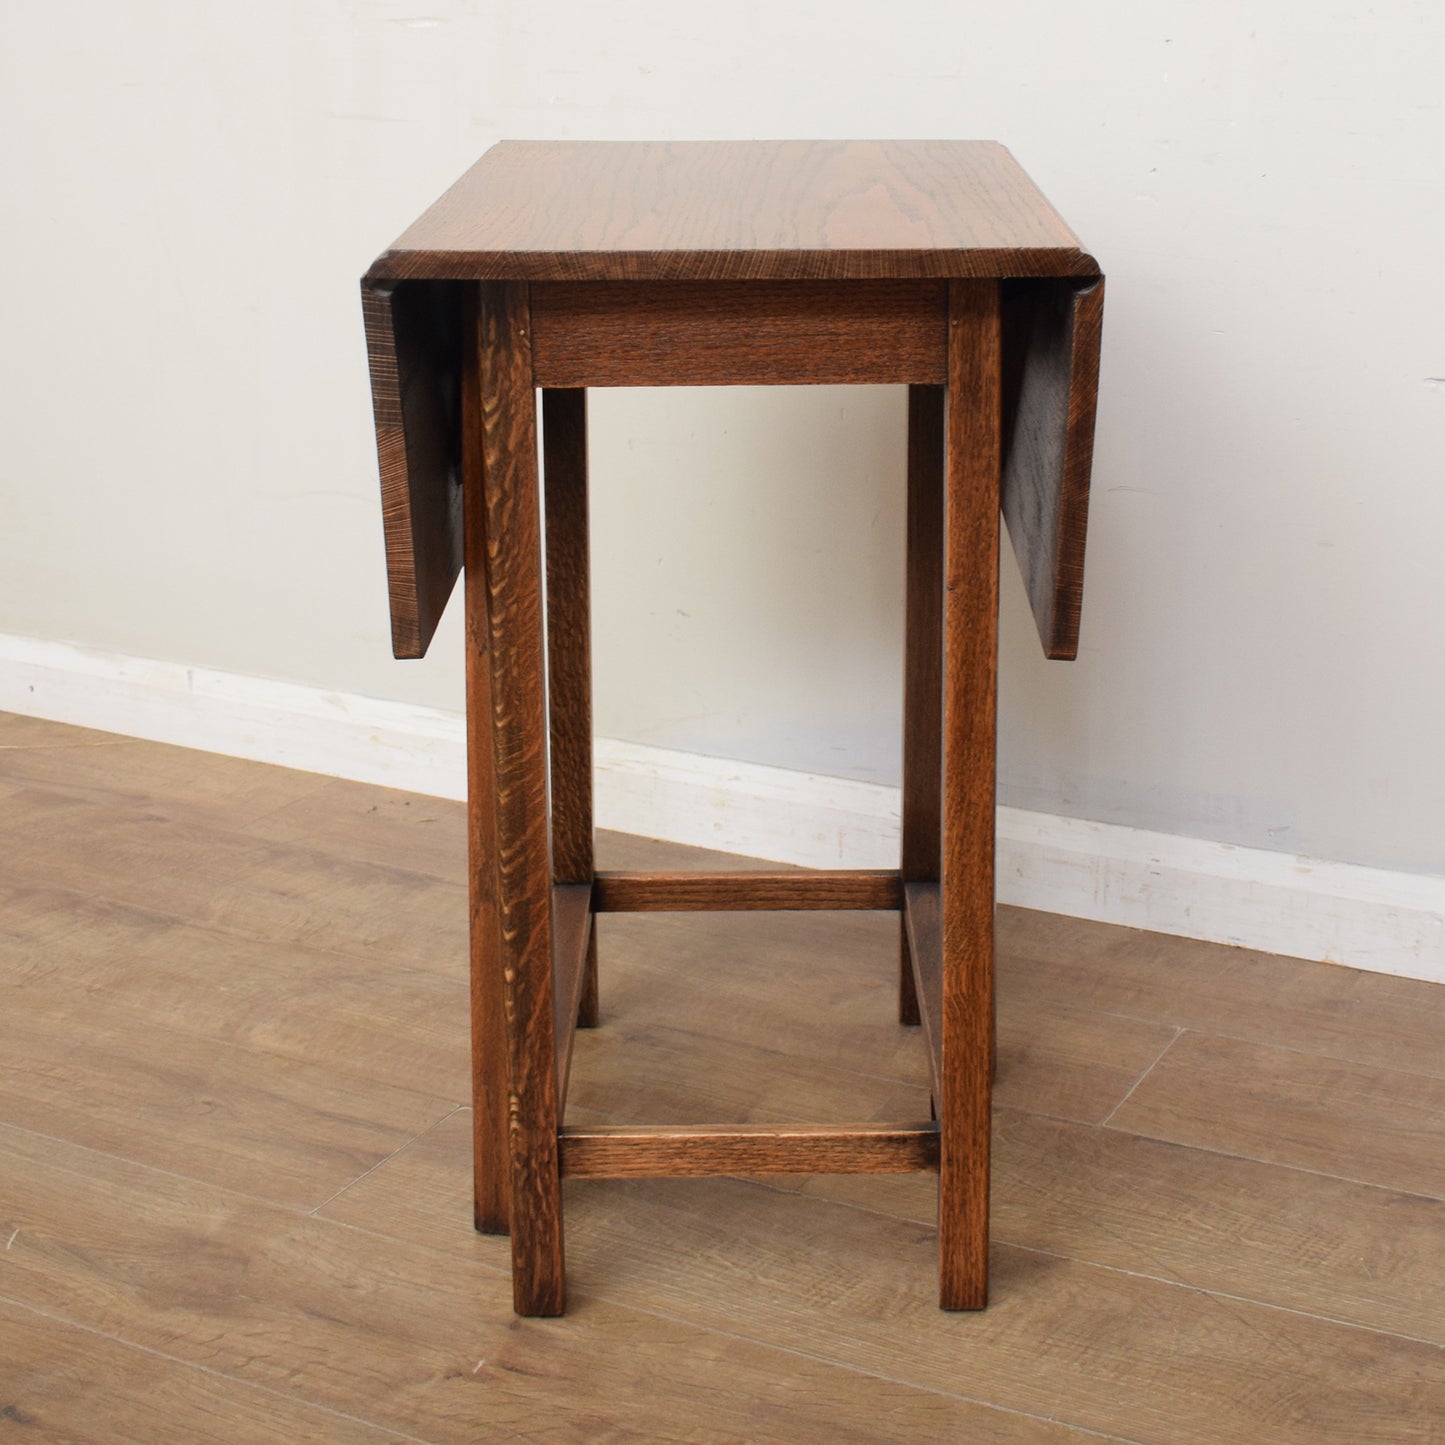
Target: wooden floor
234 1157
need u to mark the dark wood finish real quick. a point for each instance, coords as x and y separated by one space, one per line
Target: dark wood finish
921 838
923 924
721 333
702 1151
519 730
1052 335
935 264
738 211
414 336
571 948
908 1014
970 666
589 1004
491 1168
761 212
569 651
637 892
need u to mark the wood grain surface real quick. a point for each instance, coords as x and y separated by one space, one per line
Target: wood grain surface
571 939
1135 1357
285 1129
842 246
738 210
569 630
972 464
514 573
636 891
1362 1254
1172 1287
1052 335
569 653
414 339
491 1167
923 928
781 333
384 1023
404 1336
1265 1103
60 1382
1313 1008
633 1151
1142 1354
921 845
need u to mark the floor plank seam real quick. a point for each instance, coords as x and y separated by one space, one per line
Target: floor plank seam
1314 1053
919 1084
1278 1164
321 892
250 823
210 925
1261 1042
584 1293
294 1210
1178 1033
366 1174
125 1159
240 836
1209 1292
203 925
260 1051
504 1270
1167 1278
270 1390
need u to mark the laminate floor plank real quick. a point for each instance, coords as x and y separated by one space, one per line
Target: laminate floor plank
229 880
424 1194
253 1121
1070 1063
411 1338
817 989
362 1018
61 1382
234 1179
651 1074
1318 1008
374 825
19 731
1124 1354
753 976
1092 1347
1264 1232
1356 1121
111 770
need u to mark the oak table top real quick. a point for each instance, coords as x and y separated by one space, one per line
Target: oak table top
750 226
738 210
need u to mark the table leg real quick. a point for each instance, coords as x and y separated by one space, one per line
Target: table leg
973 461
922 665
490 1167
569 655
511 493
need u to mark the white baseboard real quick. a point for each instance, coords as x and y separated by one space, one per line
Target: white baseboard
1309 908
1368 918
394 744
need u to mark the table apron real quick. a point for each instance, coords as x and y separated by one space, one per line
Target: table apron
727 333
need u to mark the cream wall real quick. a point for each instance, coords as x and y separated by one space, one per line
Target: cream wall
191 190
